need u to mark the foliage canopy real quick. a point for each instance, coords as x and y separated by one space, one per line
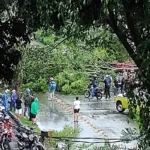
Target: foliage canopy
128 19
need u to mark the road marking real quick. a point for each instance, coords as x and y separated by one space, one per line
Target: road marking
95 129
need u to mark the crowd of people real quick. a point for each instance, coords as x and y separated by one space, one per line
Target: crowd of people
25 105
118 84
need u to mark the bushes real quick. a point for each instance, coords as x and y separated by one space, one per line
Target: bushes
67 131
66 89
68 82
71 82
135 112
39 85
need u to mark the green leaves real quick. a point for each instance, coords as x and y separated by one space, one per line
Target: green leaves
38 85
71 82
71 61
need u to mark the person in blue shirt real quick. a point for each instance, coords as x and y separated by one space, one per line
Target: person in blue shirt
52 88
94 86
13 100
5 98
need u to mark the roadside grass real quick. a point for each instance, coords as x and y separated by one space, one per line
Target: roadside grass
25 121
68 131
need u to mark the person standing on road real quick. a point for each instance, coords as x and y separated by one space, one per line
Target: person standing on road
5 98
34 110
107 82
76 109
18 107
13 100
52 88
121 79
28 98
116 87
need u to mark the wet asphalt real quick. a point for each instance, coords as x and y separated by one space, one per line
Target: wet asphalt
98 119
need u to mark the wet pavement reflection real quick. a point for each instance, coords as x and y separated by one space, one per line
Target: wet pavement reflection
102 117
52 117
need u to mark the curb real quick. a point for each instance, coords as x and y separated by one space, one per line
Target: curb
15 119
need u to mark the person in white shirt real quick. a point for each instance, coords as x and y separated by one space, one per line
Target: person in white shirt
76 107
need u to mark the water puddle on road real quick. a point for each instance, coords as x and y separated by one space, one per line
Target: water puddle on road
51 116
102 115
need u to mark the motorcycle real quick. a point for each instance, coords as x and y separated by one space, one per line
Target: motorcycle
98 93
2 112
28 140
2 109
5 139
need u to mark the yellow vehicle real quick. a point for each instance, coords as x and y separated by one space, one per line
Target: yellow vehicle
122 103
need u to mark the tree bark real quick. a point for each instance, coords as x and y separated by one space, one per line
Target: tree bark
130 24
113 24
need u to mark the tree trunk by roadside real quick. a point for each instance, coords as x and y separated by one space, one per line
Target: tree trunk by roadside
18 75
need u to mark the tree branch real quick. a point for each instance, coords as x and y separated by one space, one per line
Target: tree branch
130 23
113 24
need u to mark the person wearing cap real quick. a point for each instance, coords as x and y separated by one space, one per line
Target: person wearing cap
13 100
34 110
52 88
5 98
28 98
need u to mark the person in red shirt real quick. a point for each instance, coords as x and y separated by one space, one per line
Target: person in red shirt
7 124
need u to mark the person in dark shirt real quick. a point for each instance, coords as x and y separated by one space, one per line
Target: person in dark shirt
107 82
28 99
18 107
95 81
116 86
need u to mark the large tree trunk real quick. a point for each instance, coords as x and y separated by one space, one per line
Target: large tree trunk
122 37
18 77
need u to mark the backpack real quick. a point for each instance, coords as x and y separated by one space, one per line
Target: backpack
107 82
28 99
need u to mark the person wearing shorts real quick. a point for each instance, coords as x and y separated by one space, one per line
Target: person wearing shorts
34 110
18 108
76 107
33 116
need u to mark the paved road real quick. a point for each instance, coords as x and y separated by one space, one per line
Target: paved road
98 119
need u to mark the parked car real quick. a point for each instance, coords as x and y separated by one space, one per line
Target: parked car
122 103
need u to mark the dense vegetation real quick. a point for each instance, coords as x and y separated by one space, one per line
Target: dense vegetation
128 19
71 63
